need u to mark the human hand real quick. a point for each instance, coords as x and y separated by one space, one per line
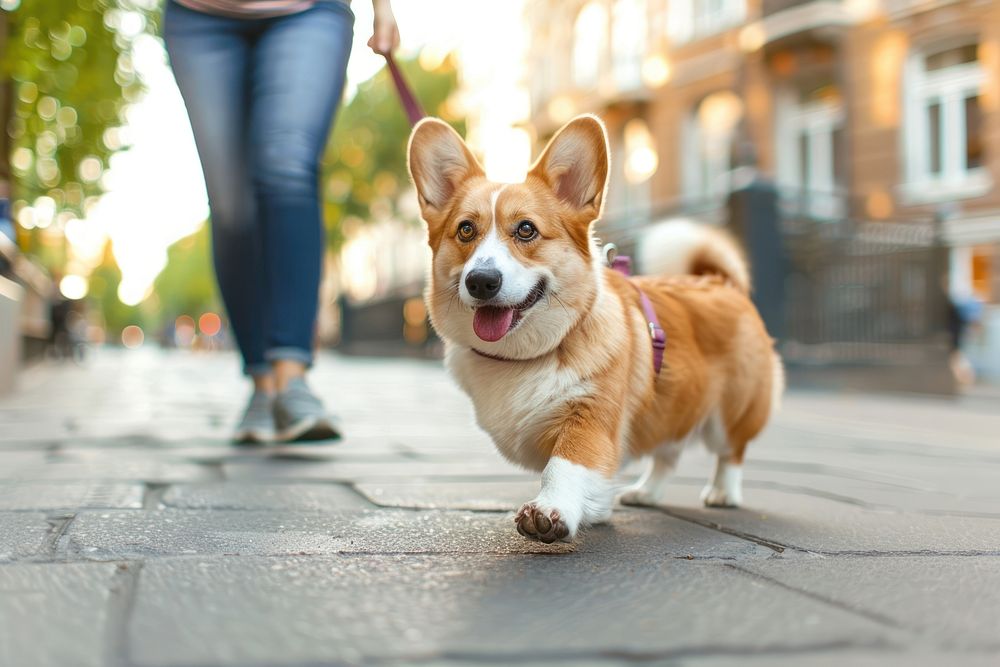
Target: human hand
385 34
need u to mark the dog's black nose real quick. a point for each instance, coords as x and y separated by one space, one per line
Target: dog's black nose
483 283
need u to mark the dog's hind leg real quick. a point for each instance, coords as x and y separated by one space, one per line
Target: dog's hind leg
725 487
651 489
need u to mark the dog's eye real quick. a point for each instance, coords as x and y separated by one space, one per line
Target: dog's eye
526 231
466 231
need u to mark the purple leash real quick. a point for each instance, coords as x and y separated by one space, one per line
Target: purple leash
406 97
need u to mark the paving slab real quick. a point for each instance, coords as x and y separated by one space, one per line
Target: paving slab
468 608
70 495
81 466
832 656
46 600
136 534
464 495
58 614
928 480
258 496
892 418
24 535
350 471
825 526
128 534
953 600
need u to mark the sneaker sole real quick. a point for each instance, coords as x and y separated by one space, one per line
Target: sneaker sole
310 429
251 437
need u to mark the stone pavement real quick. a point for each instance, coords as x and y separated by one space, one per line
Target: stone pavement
131 533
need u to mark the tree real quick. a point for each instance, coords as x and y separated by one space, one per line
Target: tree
365 162
66 77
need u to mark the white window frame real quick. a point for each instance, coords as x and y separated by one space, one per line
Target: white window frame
589 57
951 86
818 120
693 19
628 42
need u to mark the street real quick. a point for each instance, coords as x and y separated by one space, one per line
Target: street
132 533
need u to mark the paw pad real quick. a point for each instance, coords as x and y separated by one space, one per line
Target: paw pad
539 524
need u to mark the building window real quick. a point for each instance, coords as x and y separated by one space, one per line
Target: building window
628 42
943 132
708 144
809 152
590 42
692 19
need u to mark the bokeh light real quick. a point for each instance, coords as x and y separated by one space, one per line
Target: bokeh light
561 108
209 324
73 287
133 337
641 159
656 70
184 331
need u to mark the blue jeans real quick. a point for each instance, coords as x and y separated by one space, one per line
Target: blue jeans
261 95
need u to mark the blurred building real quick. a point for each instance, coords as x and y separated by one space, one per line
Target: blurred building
875 110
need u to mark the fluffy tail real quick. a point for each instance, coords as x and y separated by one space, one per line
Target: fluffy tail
683 247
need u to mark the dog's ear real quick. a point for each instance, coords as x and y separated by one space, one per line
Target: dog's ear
438 160
575 165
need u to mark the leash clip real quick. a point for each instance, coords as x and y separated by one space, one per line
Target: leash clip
620 263
610 251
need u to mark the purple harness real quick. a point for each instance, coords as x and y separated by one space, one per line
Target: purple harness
658 337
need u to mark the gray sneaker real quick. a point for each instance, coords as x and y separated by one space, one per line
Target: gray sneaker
257 425
299 415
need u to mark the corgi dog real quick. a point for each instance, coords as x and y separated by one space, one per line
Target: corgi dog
555 348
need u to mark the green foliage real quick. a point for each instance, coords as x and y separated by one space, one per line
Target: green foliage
70 62
103 295
365 162
186 286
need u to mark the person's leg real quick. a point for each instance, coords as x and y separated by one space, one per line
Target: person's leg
211 60
299 67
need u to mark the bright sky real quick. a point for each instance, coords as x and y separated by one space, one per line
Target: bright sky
155 191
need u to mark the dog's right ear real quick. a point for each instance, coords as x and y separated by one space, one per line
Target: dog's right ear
439 161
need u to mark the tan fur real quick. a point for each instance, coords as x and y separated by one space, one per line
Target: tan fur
584 355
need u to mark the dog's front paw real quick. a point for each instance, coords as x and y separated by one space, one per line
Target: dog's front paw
537 523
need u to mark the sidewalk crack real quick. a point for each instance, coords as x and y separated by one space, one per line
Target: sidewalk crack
870 615
60 524
776 547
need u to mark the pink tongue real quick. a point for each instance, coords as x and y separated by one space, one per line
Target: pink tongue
491 323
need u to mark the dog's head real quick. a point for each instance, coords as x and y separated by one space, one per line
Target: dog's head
514 265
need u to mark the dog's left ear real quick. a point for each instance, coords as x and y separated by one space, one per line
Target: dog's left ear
575 165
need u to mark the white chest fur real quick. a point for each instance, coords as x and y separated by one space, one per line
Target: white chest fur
515 401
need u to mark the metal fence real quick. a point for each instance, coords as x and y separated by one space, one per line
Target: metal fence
868 292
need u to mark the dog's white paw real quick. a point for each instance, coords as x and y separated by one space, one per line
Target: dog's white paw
544 524
713 496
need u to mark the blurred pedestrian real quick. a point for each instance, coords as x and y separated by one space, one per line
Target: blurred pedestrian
964 312
262 80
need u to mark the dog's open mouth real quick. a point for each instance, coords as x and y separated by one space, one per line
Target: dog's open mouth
491 323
